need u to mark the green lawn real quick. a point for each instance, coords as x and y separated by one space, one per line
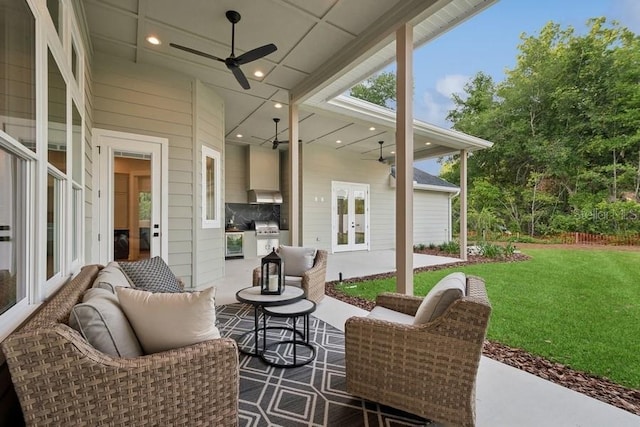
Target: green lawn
577 307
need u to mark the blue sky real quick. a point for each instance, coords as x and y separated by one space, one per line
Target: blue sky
489 42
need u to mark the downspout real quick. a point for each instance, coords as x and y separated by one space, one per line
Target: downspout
451 197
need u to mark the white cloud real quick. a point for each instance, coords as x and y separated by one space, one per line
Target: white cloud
433 108
450 84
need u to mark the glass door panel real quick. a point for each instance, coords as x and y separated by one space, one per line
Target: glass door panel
350 216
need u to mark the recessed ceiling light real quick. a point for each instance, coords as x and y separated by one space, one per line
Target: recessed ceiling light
393 152
258 74
427 143
372 128
338 142
277 105
154 40
239 135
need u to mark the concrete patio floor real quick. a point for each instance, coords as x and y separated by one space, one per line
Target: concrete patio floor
505 396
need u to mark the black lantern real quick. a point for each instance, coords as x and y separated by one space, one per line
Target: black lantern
272 282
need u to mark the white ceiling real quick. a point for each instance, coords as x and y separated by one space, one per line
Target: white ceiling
324 47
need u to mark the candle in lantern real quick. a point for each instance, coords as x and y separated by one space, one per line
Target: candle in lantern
273 283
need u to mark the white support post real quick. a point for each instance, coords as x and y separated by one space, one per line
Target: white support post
463 205
404 160
294 178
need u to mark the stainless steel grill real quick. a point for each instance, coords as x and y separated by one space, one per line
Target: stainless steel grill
266 229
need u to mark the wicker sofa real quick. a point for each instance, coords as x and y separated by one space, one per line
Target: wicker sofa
60 379
427 369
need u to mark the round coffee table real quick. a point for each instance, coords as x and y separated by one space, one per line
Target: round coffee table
252 295
301 308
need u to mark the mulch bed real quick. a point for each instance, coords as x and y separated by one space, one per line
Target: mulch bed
599 388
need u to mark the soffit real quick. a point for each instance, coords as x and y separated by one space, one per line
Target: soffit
309 34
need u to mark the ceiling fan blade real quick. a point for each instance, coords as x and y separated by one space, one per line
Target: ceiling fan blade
256 53
197 52
237 72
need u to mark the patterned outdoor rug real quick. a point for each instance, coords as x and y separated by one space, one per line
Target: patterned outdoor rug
311 395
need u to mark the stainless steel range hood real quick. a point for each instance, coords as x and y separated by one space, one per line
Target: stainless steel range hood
264 196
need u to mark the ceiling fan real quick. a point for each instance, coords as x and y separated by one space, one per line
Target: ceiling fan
275 140
379 159
233 63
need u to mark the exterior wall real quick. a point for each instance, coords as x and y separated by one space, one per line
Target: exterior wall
208 242
430 217
321 167
235 177
147 100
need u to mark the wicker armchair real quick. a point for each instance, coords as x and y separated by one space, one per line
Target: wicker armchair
429 369
60 379
313 280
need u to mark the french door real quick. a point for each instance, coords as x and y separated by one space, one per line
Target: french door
350 216
130 207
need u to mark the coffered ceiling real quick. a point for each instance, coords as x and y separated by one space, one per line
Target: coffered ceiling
323 48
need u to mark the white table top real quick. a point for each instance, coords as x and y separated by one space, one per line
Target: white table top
303 306
252 295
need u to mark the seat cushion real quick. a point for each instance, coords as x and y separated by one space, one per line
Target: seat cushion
153 275
440 297
293 281
163 321
110 277
383 313
101 321
296 259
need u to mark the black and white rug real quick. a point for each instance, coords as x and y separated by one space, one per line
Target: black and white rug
311 395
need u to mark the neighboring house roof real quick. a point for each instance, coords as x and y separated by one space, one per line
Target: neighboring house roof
425 181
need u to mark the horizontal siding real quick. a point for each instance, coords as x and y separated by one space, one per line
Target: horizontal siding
430 217
210 132
235 177
148 100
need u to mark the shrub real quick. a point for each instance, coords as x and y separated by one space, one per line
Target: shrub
450 247
491 251
432 245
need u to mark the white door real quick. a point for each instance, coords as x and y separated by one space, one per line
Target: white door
350 216
130 196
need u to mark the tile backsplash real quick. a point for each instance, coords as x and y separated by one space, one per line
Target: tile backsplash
241 215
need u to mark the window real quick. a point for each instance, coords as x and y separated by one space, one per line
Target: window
211 190
18 59
76 218
57 90
12 230
55 9
54 223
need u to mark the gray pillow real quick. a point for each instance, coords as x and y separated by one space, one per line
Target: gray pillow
296 259
153 275
440 297
101 321
110 277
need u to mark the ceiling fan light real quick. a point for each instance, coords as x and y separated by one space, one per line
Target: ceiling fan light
154 40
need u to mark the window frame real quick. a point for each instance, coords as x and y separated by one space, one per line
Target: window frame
211 153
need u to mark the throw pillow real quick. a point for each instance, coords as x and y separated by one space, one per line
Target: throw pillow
440 297
153 275
296 259
163 321
110 277
101 322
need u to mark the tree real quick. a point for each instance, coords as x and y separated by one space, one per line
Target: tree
565 124
379 89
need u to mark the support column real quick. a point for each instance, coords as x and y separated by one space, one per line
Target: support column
294 177
463 205
404 160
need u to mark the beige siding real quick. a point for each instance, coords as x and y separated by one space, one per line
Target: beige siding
430 217
235 179
321 167
210 132
147 100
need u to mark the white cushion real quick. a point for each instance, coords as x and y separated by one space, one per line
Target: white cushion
100 320
293 281
110 277
296 259
163 321
440 297
383 313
